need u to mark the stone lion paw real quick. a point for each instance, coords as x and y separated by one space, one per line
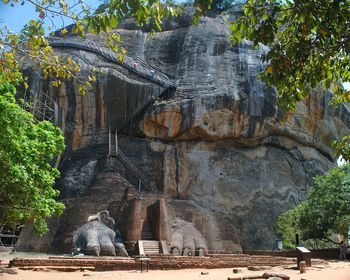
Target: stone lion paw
95 238
186 240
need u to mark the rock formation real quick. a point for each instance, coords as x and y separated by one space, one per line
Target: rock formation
220 151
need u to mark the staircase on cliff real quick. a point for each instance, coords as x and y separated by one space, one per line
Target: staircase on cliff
143 70
145 182
135 65
139 68
42 105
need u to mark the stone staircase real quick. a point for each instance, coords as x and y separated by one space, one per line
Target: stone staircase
146 233
151 247
140 68
148 245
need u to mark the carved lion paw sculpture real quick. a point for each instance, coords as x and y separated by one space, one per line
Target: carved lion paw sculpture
186 240
95 238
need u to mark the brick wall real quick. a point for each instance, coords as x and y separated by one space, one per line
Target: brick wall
156 262
317 253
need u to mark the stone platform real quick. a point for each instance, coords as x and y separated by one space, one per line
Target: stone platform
156 262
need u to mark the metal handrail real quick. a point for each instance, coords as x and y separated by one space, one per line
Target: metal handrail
147 182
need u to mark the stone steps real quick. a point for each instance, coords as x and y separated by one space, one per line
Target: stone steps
146 232
151 247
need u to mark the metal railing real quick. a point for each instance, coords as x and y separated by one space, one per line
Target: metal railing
148 184
41 105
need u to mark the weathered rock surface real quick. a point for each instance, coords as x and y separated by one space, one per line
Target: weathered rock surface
225 157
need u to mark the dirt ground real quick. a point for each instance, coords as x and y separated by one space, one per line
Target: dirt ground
335 270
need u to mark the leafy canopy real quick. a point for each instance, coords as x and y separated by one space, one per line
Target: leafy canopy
27 178
309 45
326 211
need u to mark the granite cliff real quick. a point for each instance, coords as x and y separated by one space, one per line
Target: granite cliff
220 151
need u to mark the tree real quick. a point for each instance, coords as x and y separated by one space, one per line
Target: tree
309 45
326 211
27 178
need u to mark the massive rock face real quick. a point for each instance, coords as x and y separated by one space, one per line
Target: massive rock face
222 153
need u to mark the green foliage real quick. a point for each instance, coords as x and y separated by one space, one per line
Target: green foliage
109 15
326 211
222 5
31 44
26 148
288 226
342 148
309 45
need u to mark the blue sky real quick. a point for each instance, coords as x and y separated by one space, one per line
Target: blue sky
16 17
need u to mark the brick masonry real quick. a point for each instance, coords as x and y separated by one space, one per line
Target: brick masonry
315 253
155 262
